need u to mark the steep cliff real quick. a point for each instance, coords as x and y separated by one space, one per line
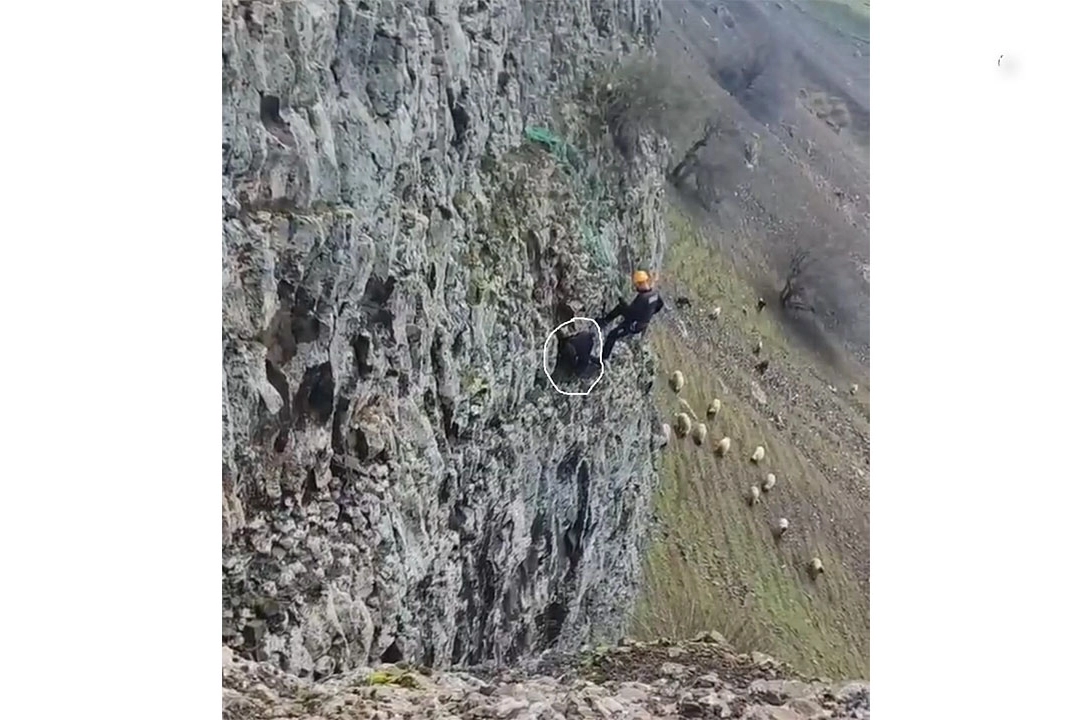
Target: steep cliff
400 479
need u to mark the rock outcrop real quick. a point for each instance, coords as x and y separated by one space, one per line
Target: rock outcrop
703 679
400 479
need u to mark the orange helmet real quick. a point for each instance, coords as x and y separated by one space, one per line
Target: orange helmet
641 279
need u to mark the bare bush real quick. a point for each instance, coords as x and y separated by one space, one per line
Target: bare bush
691 160
823 289
793 296
815 269
645 94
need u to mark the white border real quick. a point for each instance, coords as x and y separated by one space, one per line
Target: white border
974 380
112 360
543 357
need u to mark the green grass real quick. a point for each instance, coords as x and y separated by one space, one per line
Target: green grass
716 564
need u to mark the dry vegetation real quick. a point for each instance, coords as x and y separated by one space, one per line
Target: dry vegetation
716 563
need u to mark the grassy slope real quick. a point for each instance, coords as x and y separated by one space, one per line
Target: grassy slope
714 564
852 16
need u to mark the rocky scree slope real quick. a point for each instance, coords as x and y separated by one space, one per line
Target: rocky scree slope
700 679
400 481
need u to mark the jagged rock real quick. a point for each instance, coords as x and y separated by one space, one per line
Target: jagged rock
807 709
260 690
708 680
674 670
634 692
778 692
400 481
509 707
770 712
711 636
761 658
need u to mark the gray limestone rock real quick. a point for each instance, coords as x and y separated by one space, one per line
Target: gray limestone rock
399 479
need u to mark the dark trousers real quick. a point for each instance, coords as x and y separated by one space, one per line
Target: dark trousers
610 317
575 352
623 329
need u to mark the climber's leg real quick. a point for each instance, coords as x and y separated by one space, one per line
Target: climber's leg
621 331
610 317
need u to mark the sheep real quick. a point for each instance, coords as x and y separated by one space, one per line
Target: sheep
760 304
714 408
755 495
677 381
759 454
816 567
757 347
781 528
699 433
854 388
665 430
723 446
715 312
682 424
770 481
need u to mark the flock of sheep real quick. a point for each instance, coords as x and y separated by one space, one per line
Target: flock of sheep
686 424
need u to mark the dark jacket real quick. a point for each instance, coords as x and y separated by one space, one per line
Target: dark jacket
643 307
574 351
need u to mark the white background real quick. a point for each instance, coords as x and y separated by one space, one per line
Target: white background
111 361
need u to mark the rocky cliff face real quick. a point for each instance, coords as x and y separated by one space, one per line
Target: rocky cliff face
400 479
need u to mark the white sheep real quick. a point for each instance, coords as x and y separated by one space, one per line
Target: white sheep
699 433
770 482
677 381
757 347
714 408
755 495
781 527
715 312
665 429
723 446
682 424
854 388
759 454
816 567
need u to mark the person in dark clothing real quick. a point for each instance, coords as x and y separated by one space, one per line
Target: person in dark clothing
636 315
575 352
